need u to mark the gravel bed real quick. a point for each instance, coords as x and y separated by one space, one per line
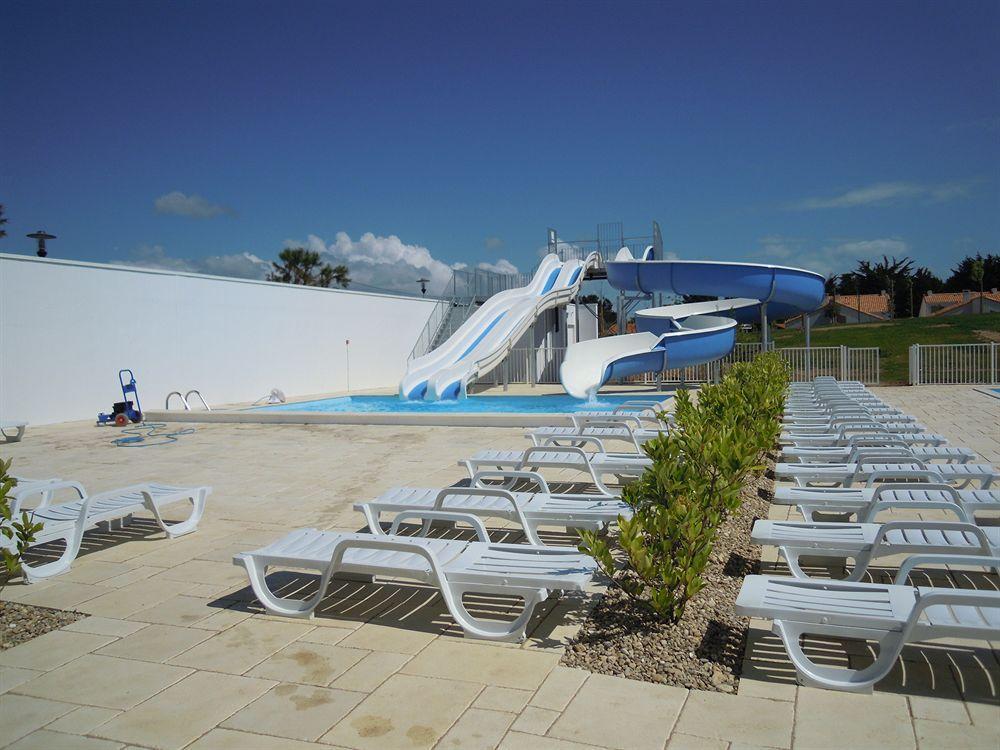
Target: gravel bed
22 622
704 650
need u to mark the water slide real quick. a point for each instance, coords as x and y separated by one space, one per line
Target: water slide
484 340
682 335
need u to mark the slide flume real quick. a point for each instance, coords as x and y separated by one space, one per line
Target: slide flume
484 340
682 335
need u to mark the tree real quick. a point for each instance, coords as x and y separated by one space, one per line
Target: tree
3 220
962 277
606 310
301 266
976 273
896 277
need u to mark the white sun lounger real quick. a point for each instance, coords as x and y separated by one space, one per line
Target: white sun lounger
891 614
807 454
603 428
455 567
848 424
864 542
68 521
846 434
529 509
17 428
596 464
890 466
867 502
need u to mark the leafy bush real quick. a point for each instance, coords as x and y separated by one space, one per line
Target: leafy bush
699 469
16 534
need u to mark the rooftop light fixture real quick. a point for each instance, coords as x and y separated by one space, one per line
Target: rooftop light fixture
423 285
41 236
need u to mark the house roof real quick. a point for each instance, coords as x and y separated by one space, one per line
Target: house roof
870 304
951 298
961 300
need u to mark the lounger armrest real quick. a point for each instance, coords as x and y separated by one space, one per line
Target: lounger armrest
528 453
628 421
389 544
963 526
496 492
533 476
441 515
874 509
45 489
877 477
918 561
553 441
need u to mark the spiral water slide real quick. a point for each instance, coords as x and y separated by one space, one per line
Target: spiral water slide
676 336
485 339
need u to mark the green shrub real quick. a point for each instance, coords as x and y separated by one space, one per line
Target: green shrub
16 534
699 469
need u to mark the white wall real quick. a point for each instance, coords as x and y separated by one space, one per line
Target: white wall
66 328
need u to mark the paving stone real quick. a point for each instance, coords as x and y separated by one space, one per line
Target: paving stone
127 600
311 663
503 699
950 709
155 643
229 739
617 713
559 688
939 735
104 681
374 669
535 720
57 595
11 677
462 660
184 711
523 741
330 636
104 626
477 729
82 720
46 740
680 741
242 646
375 637
752 720
300 712
23 714
51 650
879 719
406 712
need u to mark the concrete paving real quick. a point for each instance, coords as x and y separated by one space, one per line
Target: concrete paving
176 653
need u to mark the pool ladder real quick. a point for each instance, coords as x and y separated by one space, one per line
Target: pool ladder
184 400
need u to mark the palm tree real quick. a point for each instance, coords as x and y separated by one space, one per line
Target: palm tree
301 266
976 273
3 220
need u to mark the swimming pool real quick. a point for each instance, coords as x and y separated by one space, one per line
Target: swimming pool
542 404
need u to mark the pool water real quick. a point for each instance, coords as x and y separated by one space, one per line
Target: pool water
547 404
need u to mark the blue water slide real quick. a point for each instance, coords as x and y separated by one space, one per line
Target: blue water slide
688 334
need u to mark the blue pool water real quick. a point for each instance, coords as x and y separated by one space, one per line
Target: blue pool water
549 404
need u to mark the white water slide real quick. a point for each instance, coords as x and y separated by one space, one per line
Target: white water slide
484 340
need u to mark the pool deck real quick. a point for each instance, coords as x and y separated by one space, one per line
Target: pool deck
177 654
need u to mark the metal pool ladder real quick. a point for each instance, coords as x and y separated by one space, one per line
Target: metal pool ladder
184 400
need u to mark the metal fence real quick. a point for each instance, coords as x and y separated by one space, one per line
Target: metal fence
954 364
541 365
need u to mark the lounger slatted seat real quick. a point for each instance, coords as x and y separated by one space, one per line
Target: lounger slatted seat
67 522
455 567
833 426
949 454
891 614
848 474
842 438
529 509
865 542
602 430
867 502
596 464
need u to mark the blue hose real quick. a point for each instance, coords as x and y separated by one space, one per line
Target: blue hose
141 435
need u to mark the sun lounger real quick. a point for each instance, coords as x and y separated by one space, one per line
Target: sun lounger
891 614
596 464
456 567
866 502
68 521
529 509
603 428
890 465
844 435
807 454
864 542
12 432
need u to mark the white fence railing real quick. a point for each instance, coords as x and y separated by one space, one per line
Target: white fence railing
954 364
541 365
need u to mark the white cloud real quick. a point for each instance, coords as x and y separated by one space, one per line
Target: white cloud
493 243
888 193
501 266
193 206
388 262
238 265
831 256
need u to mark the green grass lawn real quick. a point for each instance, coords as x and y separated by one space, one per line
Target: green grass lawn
893 338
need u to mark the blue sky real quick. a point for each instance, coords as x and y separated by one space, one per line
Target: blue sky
413 136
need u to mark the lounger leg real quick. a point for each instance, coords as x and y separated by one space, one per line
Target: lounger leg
850 680
276 604
792 554
183 527
33 573
513 631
